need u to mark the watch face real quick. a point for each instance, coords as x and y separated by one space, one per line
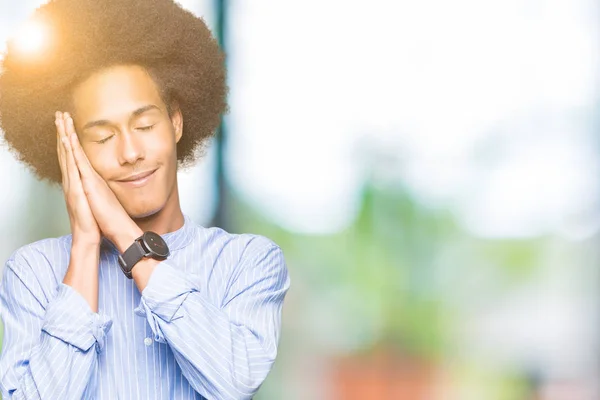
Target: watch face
156 244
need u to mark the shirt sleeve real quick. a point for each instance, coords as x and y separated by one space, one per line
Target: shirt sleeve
50 347
225 352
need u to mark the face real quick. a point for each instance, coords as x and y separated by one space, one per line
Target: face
128 136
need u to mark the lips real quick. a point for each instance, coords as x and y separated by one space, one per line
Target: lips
137 177
138 180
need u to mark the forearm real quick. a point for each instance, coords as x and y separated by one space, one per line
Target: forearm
225 348
49 351
55 371
220 359
82 274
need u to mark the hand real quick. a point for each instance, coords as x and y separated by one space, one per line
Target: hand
84 228
111 217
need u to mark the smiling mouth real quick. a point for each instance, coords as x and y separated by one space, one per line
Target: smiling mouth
138 179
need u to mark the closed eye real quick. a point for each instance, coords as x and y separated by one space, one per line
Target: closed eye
146 128
105 139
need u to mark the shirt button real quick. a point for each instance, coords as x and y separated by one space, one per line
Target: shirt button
147 341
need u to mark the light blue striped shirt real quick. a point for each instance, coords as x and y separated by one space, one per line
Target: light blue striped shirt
206 326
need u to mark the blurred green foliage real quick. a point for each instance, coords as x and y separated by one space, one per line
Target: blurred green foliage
399 267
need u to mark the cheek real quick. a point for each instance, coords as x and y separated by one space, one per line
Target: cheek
162 147
101 163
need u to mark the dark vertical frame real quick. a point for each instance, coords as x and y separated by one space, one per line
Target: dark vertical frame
220 218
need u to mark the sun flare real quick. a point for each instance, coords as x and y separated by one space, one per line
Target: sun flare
31 38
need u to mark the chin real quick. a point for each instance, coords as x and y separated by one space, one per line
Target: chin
143 213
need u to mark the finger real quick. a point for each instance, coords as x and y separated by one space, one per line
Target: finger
61 150
59 147
72 170
83 163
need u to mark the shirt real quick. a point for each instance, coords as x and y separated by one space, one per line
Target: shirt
206 326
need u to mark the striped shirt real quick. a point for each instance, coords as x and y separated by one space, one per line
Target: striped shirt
206 326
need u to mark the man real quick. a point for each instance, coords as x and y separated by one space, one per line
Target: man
137 302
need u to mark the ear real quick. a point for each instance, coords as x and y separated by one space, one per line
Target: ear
177 121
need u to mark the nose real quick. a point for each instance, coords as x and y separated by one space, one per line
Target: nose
131 150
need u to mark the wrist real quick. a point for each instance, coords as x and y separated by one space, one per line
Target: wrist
126 237
84 246
142 271
84 255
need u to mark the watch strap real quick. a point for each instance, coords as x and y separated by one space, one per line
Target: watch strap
132 256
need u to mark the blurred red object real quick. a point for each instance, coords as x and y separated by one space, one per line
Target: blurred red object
381 375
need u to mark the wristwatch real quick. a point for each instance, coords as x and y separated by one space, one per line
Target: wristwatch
150 244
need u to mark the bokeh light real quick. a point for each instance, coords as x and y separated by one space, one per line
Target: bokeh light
32 37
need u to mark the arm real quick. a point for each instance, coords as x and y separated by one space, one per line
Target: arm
224 351
50 347
82 274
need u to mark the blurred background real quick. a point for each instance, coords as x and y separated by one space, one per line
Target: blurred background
430 170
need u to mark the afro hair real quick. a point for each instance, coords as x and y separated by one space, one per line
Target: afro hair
85 36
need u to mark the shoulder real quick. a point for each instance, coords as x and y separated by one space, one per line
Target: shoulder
245 247
40 265
42 251
237 262
259 259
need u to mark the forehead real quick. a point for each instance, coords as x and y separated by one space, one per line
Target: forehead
114 93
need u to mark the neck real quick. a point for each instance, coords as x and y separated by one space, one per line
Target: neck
168 219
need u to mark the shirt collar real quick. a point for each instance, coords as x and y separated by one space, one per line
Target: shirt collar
175 240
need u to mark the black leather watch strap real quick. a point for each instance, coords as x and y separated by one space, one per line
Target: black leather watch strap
148 245
132 256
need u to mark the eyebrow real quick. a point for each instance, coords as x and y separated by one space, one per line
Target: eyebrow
105 122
